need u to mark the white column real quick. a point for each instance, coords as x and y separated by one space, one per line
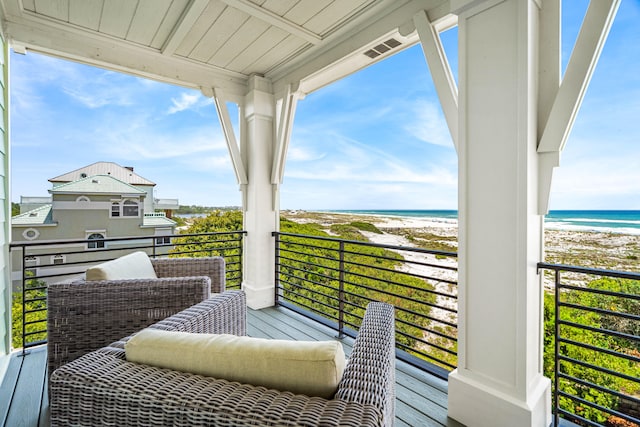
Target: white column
261 216
499 379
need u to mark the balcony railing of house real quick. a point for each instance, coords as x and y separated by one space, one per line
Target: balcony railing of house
592 317
595 314
592 340
332 280
54 261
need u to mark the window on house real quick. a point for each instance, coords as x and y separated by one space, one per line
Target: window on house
130 208
97 243
57 259
164 240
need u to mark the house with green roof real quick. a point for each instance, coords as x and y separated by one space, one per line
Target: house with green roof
88 207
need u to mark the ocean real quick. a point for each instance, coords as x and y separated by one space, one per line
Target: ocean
609 221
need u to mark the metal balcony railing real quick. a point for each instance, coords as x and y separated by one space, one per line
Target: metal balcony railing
35 264
332 280
593 346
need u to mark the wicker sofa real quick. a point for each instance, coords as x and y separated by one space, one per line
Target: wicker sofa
86 315
102 388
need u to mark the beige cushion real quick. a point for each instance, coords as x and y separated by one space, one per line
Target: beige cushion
136 265
313 368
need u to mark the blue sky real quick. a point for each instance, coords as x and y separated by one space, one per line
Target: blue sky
375 140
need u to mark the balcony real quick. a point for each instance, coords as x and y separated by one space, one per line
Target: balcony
322 286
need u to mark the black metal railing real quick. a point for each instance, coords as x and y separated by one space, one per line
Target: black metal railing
35 264
595 336
332 280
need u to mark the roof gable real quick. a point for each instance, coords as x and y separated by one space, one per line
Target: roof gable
114 170
38 216
97 184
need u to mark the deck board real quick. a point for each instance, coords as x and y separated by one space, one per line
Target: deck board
421 399
25 407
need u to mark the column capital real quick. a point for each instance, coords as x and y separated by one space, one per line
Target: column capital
259 83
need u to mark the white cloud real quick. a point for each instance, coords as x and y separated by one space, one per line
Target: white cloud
303 154
186 101
427 123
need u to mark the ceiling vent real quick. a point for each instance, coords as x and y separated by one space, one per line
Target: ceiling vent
383 47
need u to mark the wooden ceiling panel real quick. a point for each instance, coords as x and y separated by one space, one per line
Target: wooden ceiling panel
243 62
306 9
283 50
57 9
209 16
326 20
248 33
146 21
116 17
171 19
279 7
85 13
225 26
29 5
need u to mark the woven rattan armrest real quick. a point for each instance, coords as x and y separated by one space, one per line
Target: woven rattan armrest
369 377
84 316
213 267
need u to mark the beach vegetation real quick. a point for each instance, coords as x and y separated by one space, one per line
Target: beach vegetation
315 278
585 341
431 241
365 226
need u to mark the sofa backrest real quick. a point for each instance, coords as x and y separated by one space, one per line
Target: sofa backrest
136 265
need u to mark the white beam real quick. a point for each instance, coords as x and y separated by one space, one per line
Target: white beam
440 71
187 20
584 57
275 20
549 56
229 135
285 125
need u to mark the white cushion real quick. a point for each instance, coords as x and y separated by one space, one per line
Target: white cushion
136 265
313 368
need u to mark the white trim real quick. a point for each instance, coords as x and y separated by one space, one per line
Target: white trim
26 232
229 136
593 33
440 71
184 26
275 20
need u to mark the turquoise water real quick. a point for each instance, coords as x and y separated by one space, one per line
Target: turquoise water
621 221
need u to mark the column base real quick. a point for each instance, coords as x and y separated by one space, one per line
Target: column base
474 404
259 296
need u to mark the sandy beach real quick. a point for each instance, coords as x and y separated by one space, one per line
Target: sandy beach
593 249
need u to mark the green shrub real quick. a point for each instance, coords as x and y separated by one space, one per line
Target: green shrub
597 339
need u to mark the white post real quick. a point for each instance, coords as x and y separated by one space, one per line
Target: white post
261 216
499 379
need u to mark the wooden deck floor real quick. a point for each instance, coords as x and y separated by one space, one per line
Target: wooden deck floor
421 399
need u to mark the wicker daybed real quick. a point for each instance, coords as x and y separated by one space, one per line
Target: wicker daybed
102 388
